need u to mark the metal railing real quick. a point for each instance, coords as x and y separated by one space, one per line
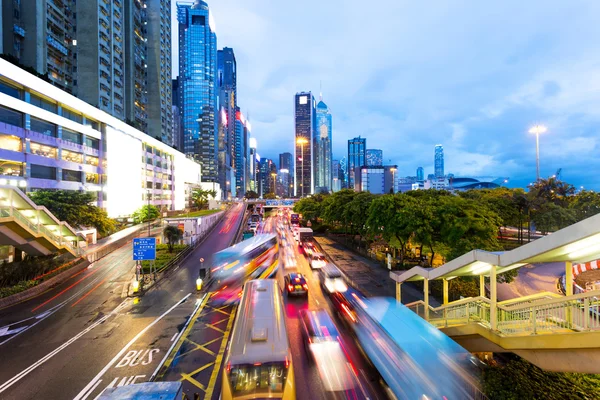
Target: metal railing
536 314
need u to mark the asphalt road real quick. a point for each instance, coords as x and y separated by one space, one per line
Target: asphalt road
84 335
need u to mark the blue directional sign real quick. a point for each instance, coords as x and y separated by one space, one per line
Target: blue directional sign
144 249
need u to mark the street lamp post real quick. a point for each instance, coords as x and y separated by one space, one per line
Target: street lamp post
537 130
302 141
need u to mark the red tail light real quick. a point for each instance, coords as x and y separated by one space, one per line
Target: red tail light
305 286
290 287
228 367
287 362
257 364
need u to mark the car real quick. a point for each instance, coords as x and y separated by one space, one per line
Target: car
289 260
295 284
317 261
332 279
344 309
309 248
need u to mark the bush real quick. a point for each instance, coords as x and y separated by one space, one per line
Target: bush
163 257
32 267
18 288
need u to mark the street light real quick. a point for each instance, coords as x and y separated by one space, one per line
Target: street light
537 130
302 141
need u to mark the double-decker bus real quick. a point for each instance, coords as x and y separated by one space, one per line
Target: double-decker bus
254 258
258 362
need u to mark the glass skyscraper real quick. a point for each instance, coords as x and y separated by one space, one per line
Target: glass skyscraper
356 157
197 79
374 157
304 124
227 87
323 148
420 174
439 161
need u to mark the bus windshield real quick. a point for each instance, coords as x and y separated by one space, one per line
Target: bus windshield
263 380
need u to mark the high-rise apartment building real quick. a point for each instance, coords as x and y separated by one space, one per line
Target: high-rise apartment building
439 161
356 157
266 180
197 80
420 174
374 157
304 124
159 96
323 140
228 115
136 65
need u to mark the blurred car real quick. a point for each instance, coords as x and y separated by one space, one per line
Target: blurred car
308 248
295 284
324 347
344 308
332 279
289 260
317 261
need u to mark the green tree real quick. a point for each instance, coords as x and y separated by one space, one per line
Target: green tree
172 235
309 207
145 213
251 194
200 197
269 196
75 208
357 213
585 204
549 217
333 207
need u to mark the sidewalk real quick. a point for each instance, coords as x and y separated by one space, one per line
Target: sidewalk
367 275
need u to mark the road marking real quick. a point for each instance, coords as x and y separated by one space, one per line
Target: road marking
170 356
174 336
64 290
85 392
188 377
91 290
41 361
219 359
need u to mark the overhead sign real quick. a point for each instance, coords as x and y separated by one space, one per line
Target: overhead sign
144 249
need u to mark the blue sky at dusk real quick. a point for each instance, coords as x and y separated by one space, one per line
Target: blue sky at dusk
473 76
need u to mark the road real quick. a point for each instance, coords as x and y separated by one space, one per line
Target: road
84 335
532 279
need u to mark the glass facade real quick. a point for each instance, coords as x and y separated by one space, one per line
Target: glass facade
439 161
356 158
374 157
305 123
323 142
420 174
197 78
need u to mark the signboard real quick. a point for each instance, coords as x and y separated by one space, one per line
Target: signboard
144 249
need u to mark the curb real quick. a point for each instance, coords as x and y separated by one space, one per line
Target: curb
34 291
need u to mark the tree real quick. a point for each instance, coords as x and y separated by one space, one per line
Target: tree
585 204
269 196
309 207
550 217
333 207
145 213
75 208
357 212
251 194
172 235
200 197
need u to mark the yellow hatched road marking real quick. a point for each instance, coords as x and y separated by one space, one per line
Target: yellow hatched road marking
215 328
201 347
220 309
215 373
188 377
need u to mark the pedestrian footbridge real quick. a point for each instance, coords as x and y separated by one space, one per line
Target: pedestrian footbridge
553 331
31 228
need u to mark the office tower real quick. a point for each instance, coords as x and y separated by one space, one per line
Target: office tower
285 161
267 167
41 35
304 128
323 148
374 157
439 161
197 80
240 144
337 176
285 174
420 174
159 88
344 172
252 160
356 157
378 179
176 115
228 114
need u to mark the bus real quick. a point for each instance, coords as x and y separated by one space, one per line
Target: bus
258 361
254 258
294 219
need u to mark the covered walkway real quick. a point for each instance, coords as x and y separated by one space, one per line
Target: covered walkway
32 228
556 332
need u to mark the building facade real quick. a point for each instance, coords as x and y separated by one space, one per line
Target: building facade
285 173
439 161
420 174
266 178
228 114
338 176
240 149
252 160
375 179
197 81
52 140
374 157
304 149
323 143
356 157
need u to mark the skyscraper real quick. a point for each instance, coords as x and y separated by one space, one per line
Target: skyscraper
374 157
356 157
176 114
323 148
285 164
439 161
285 161
337 176
197 79
159 96
240 143
344 172
267 167
420 174
252 165
304 122
228 109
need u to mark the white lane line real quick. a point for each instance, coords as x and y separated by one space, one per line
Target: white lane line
178 335
86 390
95 386
174 336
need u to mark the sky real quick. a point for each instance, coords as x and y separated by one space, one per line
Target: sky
473 76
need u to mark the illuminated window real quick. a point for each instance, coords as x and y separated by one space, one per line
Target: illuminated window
91 160
11 168
92 178
8 142
72 156
43 150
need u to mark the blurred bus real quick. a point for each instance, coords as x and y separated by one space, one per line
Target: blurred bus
294 219
254 258
258 361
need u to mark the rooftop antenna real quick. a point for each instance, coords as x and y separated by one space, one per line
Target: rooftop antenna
320 90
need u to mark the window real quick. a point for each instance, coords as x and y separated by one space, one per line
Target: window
43 150
91 142
92 178
91 160
47 128
72 115
71 176
91 123
157 185
71 136
11 117
198 20
42 103
72 156
11 168
8 142
149 185
10 90
43 172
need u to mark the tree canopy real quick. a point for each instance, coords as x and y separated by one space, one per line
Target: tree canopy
172 235
145 213
200 197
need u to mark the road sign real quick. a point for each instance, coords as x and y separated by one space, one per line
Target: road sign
144 249
202 260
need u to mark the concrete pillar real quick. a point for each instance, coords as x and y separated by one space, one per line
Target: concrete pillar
482 285
445 290
426 297
569 290
493 299
398 292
